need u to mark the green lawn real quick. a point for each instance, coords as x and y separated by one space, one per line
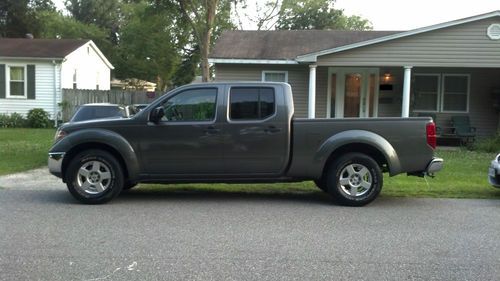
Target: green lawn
24 149
464 174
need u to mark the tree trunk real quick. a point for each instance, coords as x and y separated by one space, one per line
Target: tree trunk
204 49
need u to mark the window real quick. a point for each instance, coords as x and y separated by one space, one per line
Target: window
251 103
191 105
455 92
426 92
275 76
441 92
17 81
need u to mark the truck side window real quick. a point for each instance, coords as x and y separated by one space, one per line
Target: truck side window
251 103
191 105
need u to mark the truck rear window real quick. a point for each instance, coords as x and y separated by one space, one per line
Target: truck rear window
251 103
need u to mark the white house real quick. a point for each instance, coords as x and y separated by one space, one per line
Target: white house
33 72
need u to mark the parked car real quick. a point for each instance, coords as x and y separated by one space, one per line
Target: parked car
136 108
494 172
237 133
98 111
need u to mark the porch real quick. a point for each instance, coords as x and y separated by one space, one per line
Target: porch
342 92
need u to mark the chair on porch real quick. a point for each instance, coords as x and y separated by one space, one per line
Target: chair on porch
463 129
433 116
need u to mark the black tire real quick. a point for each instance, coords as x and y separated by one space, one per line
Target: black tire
354 173
101 182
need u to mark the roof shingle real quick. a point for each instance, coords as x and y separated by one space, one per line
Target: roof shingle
38 48
286 44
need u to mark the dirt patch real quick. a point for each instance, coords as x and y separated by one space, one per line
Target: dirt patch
36 179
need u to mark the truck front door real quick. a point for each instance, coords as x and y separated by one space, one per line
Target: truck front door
187 141
256 134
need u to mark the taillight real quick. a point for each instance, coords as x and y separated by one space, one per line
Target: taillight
431 134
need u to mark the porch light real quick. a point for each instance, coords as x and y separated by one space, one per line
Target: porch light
387 76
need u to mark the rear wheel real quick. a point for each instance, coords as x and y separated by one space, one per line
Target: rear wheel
94 177
354 179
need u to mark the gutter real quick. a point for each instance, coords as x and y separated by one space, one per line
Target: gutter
56 113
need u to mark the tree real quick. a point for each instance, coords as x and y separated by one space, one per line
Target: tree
106 14
203 17
317 14
147 49
20 17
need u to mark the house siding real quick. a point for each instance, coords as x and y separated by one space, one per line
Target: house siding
91 70
483 81
298 78
465 45
44 90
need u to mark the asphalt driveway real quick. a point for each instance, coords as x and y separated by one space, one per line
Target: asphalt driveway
46 235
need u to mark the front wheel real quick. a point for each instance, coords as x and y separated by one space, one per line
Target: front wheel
94 177
355 179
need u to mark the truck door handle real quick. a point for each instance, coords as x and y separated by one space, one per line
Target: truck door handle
272 130
211 130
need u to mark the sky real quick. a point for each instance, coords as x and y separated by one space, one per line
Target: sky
404 14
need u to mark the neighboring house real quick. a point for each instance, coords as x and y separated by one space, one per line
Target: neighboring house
444 70
33 72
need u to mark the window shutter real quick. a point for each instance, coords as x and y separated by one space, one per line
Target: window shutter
2 81
31 82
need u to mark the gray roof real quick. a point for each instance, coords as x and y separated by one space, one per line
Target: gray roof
38 48
286 44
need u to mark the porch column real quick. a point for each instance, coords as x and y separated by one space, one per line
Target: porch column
405 111
311 112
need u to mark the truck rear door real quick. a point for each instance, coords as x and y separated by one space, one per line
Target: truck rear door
257 131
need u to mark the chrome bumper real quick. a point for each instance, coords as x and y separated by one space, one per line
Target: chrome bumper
55 163
434 166
493 172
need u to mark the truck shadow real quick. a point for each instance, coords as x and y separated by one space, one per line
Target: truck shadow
313 197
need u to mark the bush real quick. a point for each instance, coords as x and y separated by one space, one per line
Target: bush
489 145
38 118
15 120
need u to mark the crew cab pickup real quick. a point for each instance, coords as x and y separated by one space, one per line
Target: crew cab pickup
237 133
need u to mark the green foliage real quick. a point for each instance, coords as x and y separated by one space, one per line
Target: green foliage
14 120
38 118
147 47
317 14
20 17
491 145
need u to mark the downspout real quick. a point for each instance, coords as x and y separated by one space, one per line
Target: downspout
56 113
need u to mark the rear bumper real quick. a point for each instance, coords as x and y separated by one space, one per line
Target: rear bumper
55 163
435 165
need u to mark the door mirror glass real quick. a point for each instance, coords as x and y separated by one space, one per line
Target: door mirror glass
156 114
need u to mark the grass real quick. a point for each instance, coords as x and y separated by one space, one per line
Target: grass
24 149
464 174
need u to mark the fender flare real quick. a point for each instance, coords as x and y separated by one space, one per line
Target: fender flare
103 137
329 146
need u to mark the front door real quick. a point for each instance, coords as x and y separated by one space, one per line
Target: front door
188 140
353 92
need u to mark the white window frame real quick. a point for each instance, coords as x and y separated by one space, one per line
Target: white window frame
264 72
444 75
438 94
7 80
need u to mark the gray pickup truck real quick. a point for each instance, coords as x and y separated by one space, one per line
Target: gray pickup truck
237 133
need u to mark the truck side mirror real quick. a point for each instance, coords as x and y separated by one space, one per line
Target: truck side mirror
156 114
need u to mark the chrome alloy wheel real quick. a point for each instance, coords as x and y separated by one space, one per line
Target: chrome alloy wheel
93 177
355 180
